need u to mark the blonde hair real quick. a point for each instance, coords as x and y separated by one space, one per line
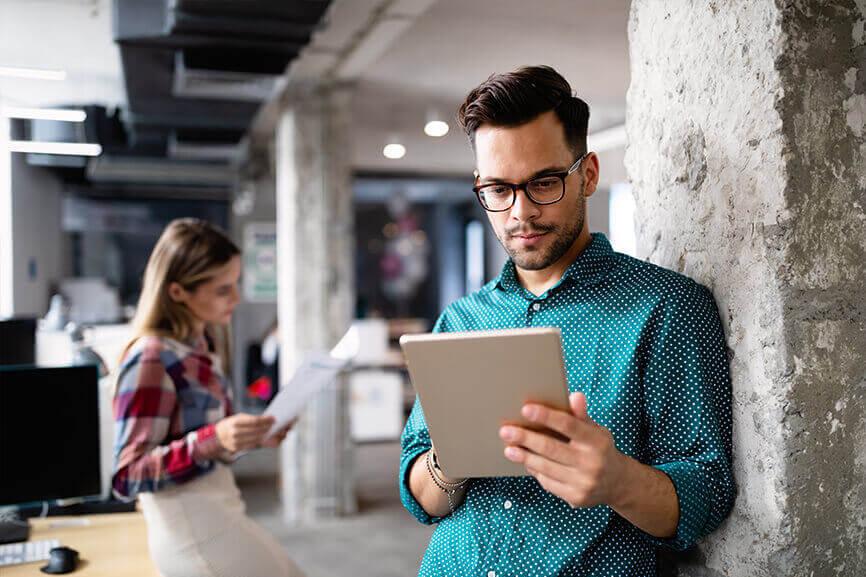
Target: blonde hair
188 253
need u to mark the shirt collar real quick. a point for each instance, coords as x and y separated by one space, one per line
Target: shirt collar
199 343
588 268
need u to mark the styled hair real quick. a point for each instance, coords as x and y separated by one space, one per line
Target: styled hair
188 252
517 97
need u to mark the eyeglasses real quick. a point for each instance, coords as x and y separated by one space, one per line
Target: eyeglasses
546 189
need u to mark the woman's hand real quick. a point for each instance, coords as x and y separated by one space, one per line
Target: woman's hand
278 437
242 431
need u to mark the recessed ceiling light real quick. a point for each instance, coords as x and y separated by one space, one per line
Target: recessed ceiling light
394 151
66 148
32 73
44 114
436 128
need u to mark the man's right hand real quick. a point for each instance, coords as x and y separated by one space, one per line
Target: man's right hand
242 431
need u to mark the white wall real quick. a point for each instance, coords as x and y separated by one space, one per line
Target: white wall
251 320
6 275
37 238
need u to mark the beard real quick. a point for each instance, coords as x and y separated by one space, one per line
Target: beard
539 258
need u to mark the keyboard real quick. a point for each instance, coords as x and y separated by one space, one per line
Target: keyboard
26 552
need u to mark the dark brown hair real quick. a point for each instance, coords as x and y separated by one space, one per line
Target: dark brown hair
517 97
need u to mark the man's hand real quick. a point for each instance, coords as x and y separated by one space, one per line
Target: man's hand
584 468
242 431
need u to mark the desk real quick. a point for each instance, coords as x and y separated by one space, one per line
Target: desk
111 545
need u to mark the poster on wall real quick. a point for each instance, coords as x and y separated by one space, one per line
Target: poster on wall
260 262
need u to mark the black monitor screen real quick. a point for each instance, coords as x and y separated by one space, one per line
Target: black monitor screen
17 341
49 433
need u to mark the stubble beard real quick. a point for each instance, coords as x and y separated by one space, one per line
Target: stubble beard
541 258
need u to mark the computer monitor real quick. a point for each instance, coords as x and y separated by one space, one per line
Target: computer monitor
18 341
49 433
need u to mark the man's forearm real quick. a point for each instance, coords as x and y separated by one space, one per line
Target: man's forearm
431 498
647 499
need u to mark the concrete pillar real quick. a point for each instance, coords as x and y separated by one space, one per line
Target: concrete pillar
746 123
315 303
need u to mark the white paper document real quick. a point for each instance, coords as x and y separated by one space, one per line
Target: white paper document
317 371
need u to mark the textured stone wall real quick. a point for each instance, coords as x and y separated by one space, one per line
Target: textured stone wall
747 138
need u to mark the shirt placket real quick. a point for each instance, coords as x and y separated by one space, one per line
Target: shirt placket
534 306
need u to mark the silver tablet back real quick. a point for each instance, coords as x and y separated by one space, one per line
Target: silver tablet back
470 384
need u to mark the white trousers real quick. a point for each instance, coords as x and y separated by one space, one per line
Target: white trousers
200 529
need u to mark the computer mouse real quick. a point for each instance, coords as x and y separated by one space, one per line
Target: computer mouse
61 560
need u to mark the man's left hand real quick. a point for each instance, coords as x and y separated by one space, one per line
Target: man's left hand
584 467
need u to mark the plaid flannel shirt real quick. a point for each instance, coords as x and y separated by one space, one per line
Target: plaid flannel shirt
169 396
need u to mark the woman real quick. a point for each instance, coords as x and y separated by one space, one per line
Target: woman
175 431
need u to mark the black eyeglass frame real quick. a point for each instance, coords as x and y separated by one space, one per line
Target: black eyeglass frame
524 186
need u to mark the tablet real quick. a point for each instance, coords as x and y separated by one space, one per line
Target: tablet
470 384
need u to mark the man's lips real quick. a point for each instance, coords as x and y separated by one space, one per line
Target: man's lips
529 235
529 239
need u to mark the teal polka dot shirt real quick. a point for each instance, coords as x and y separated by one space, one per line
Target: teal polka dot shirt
646 346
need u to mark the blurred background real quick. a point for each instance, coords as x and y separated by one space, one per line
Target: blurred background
321 135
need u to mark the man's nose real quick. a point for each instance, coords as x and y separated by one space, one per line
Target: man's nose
524 209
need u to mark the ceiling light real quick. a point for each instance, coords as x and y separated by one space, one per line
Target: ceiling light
67 148
44 114
394 151
32 73
436 128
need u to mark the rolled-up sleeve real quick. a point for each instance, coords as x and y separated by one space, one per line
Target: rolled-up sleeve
414 441
687 392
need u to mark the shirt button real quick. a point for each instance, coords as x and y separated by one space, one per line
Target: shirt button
535 306
507 504
491 574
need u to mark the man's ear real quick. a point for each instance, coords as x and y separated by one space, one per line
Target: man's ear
176 292
591 174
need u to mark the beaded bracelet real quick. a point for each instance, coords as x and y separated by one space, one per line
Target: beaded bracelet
448 488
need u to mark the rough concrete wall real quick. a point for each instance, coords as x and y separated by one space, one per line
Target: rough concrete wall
746 152
823 111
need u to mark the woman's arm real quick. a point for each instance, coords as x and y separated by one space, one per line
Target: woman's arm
143 406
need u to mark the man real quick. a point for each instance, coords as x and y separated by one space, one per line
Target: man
643 459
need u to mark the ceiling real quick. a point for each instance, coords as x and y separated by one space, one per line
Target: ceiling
456 44
131 53
196 71
70 35
460 43
187 76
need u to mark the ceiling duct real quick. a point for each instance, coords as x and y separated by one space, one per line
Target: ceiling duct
181 149
119 169
195 72
222 84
